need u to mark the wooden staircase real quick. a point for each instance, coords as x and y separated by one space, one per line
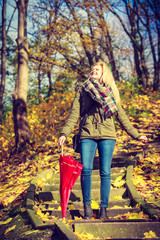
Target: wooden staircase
125 219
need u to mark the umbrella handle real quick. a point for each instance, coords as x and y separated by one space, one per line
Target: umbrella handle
62 149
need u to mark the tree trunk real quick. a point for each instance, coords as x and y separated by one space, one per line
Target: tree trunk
133 30
21 126
156 81
109 51
3 58
132 14
81 35
50 84
137 66
151 14
39 83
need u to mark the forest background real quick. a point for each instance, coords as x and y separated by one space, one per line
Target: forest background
47 47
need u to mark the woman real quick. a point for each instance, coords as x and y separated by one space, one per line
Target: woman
99 97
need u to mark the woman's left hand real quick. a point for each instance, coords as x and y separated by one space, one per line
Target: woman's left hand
143 139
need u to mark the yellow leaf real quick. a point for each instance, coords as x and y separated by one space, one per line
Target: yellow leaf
71 207
49 176
23 209
117 197
84 236
43 216
40 182
10 229
31 232
78 218
150 234
119 182
94 205
5 222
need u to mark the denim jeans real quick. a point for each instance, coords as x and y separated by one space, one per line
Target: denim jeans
88 149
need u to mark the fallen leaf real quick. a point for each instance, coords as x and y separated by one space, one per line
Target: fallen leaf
5 222
10 229
150 234
94 205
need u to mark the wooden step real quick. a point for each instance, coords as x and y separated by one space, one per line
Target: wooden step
111 213
95 183
76 195
118 204
118 230
115 172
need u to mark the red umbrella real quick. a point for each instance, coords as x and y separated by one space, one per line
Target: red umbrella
70 170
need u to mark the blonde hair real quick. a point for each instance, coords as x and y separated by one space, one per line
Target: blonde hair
108 80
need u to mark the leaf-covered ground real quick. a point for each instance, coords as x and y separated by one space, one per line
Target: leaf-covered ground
146 177
46 121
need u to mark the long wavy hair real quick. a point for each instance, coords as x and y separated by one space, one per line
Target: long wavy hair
108 80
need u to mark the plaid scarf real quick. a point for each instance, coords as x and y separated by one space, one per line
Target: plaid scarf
102 95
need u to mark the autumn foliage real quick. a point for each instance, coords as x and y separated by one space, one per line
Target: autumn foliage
46 121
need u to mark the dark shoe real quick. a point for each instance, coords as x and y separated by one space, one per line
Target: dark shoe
88 212
103 213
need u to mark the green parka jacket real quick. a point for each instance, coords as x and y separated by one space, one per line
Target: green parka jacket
95 127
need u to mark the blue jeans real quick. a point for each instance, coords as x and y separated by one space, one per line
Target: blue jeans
88 149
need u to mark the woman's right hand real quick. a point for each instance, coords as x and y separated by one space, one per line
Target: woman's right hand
61 140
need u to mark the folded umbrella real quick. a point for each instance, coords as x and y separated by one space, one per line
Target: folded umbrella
70 170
